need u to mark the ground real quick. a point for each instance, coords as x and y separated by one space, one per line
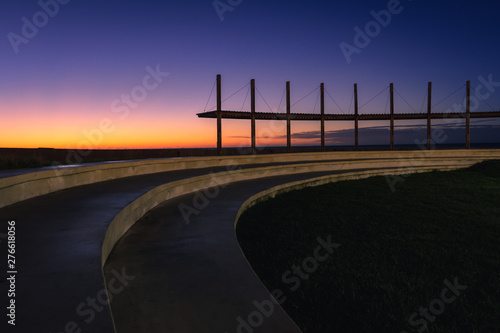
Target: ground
425 256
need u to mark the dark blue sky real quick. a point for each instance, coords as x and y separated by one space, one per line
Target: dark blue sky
67 76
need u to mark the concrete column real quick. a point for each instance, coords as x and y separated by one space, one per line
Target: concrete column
322 117
392 115
288 127
467 119
252 98
219 115
356 117
429 93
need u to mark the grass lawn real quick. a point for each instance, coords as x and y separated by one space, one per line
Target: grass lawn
20 163
8 163
425 258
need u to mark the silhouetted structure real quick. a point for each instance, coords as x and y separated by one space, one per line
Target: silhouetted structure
219 114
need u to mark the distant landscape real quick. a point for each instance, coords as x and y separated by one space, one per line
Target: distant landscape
17 158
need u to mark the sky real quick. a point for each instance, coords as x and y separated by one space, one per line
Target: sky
114 74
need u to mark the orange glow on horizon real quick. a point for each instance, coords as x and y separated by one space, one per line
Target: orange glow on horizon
30 126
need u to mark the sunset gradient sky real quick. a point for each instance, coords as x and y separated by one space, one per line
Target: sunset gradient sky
67 65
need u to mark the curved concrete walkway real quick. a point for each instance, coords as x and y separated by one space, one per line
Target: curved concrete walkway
162 276
58 252
192 277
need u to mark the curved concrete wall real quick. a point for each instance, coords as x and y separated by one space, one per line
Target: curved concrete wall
317 181
29 185
138 208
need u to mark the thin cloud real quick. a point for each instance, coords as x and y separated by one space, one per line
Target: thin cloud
404 134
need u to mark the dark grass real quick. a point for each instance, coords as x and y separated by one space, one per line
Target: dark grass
7 163
396 250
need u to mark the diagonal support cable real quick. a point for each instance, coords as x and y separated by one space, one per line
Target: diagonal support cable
300 100
397 92
210 96
453 93
373 97
264 99
334 101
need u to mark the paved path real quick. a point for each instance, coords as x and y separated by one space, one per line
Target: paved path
192 277
59 244
58 252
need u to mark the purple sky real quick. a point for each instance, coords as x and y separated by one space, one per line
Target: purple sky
64 64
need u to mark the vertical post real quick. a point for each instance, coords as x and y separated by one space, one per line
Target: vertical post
322 117
219 115
429 94
252 103
356 118
288 127
467 119
392 115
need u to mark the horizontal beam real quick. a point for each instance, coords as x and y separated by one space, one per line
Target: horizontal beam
226 114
